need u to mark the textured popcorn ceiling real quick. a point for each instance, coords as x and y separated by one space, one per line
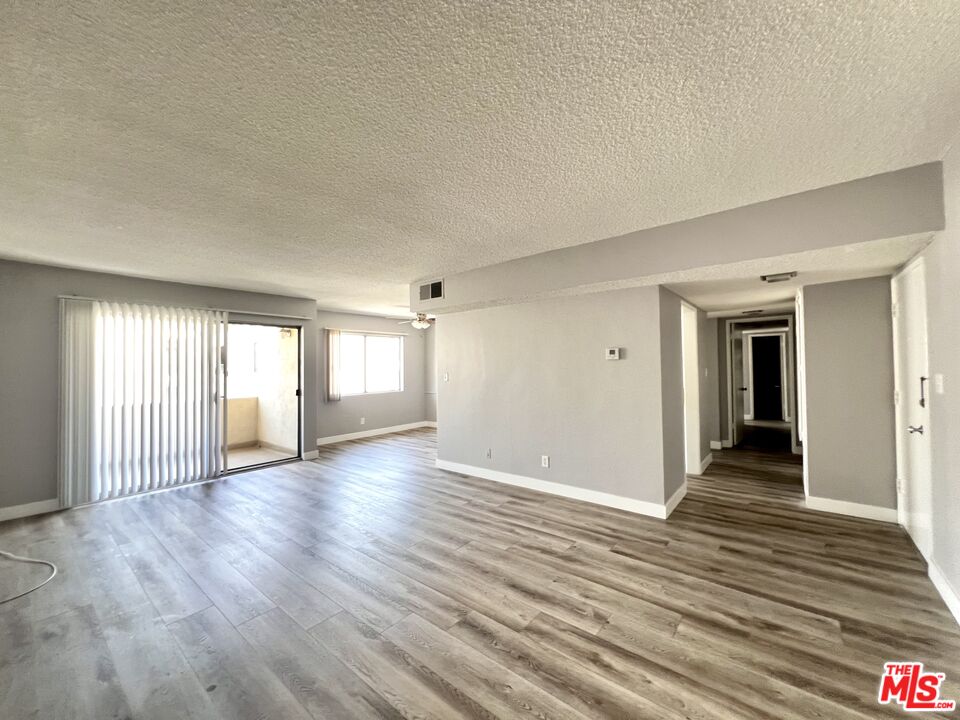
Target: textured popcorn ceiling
340 150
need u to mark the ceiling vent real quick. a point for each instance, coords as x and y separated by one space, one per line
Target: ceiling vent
779 277
431 290
752 312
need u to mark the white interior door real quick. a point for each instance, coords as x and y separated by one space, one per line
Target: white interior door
914 493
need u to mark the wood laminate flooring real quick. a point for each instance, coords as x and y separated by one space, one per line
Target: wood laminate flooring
369 584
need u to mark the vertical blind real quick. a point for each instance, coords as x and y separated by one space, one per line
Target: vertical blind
332 337
140 390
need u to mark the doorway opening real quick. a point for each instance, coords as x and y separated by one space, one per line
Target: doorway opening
761 385
263 397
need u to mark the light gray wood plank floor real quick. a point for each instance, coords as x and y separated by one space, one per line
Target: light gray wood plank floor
369 584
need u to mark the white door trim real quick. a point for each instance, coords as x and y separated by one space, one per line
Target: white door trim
791 363
784 369
690 373
905 483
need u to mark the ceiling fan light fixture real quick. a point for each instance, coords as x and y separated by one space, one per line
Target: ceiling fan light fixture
421 323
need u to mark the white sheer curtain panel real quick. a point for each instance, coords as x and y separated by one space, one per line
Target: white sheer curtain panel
140 397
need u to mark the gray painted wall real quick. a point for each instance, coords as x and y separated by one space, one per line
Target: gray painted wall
671 392
382 409
896 203
531 380
851 448
430 373
943 279
29 359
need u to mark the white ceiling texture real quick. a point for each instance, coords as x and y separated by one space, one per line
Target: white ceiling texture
340 150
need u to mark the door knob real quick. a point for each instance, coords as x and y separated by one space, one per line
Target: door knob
913 429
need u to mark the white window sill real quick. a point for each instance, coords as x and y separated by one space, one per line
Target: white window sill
381 392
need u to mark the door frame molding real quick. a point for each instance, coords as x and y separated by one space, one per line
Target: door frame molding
917 262
792 367
264 320
690 327
784 370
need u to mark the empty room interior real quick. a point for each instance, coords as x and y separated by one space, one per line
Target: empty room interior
479 360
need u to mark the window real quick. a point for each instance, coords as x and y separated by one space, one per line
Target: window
370 363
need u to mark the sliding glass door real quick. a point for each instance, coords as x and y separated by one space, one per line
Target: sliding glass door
147 401
263 411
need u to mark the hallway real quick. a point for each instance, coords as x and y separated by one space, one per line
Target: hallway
766 436
756 470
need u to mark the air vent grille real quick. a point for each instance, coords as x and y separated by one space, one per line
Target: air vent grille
779 277
431 290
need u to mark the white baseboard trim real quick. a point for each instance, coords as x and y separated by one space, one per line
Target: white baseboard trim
705 463
949 594
311 454
331 439
726 444
430 423
716 445
35 508
596 497
675 499
842 507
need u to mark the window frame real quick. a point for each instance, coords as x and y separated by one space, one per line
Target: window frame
365 336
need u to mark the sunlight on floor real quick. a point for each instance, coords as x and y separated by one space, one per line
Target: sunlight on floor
244 457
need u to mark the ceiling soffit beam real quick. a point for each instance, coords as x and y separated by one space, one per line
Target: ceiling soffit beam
893 204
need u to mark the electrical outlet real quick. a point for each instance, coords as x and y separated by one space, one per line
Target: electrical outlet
938 383
545 461
446 377
363 421
489 453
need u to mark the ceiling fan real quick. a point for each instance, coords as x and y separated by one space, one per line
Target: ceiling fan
421 322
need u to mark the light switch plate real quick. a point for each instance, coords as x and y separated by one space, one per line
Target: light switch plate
938 383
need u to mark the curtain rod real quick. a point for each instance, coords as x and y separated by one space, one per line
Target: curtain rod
185 307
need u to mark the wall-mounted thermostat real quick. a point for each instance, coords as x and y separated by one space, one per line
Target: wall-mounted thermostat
613 354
